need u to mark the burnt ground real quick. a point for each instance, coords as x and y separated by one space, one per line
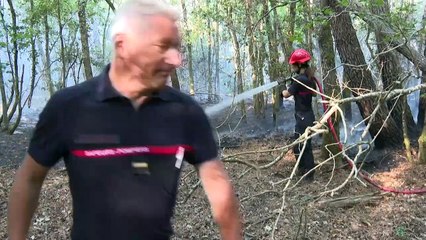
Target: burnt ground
355 211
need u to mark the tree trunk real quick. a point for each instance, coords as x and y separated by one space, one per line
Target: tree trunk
15 73
330 81
281 69
273 62
422 146
260 98
209 63
217 60
4 119
392 74
310 46
110 4
237 63
252 54
84 37
17 104
5 105
407 142
33 57
422 101
63 83
361 80
286 43
47 73
105 36
287 49
346 93
189 48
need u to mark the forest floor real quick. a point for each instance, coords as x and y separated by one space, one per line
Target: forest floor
268 200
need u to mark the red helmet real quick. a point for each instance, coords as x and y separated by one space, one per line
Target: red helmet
299 56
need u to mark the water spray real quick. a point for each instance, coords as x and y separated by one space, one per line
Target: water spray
212 110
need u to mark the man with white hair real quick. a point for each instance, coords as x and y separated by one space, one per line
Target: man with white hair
123 136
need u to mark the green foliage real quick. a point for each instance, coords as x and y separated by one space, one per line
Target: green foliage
400 232
345 3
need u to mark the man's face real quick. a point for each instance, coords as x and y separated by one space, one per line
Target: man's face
152 51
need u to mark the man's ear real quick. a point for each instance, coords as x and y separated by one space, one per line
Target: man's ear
119 45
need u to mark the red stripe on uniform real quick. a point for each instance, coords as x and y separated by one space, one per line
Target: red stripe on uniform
305 93
129 151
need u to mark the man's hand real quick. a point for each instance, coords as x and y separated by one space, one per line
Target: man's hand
24 197
222 199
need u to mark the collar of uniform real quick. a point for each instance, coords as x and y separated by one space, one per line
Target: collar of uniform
106 91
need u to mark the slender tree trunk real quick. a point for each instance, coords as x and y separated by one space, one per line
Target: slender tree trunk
238 69
33 57
111 5
287 48
422 110
282 68
330 81
84 37
9 56
15 70
392 74
361 80
346 93
422 101
18 104
4 119
47 63
407 142
252 48
260 98
422 146
310 46
217 60
5 105
285 41
189 48
273 63
209 63
104 35
64 61
237 62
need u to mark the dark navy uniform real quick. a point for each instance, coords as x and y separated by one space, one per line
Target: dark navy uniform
123 163
304 118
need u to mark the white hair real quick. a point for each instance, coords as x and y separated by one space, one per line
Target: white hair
138 9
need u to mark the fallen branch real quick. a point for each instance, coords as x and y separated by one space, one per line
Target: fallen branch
257 195
345 202
193 188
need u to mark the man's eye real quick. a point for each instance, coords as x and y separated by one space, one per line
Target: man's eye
163 46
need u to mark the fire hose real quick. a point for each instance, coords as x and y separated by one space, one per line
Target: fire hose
363 173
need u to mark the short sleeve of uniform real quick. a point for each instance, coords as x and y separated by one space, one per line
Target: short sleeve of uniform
201 136
47 142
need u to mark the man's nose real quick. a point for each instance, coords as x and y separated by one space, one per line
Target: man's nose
173 57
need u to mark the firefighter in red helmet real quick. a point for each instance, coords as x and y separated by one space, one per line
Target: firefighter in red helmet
299 62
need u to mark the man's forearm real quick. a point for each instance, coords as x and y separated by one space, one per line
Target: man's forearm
226 213
224 203
22 204
230 222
